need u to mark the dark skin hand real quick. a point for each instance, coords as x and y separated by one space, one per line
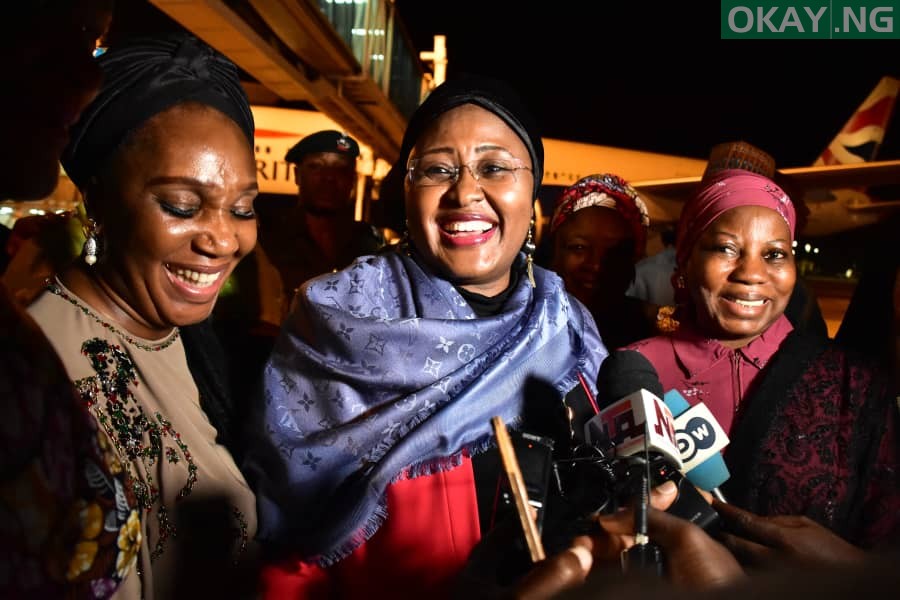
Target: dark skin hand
762 541
701 561
558 573
696 560
546 578
563 571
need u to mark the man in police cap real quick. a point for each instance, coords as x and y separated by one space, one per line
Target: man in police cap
316 235
320 234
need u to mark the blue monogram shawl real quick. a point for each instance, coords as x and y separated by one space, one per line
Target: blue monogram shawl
382 371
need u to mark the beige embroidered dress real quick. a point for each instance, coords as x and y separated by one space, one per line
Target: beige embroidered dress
142 394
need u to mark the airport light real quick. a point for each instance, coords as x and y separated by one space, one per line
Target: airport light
438 58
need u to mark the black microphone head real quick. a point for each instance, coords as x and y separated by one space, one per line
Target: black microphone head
624 372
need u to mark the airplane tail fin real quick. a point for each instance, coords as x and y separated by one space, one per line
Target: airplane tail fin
859 139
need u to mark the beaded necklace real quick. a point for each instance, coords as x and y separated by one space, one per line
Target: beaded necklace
58 289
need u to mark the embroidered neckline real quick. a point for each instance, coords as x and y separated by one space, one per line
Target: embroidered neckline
57 288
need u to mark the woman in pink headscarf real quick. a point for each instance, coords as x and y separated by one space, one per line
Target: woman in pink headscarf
812 429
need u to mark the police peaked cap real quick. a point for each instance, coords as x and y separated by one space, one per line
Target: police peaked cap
323 141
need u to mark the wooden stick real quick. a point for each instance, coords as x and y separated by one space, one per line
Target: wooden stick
520 494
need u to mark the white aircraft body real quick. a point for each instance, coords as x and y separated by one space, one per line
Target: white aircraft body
834 188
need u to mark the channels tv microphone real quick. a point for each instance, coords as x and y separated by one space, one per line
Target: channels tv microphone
632 415
700 440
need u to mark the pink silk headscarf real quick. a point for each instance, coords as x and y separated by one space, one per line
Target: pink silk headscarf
726 190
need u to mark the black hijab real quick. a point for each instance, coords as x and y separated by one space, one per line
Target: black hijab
145 76
490 94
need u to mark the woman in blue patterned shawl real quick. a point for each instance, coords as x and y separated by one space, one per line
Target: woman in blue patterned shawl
379 393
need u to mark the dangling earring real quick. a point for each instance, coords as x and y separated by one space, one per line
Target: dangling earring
89 250
679 282
666 321
529 248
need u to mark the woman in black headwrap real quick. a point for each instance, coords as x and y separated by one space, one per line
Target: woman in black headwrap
164 159
381 389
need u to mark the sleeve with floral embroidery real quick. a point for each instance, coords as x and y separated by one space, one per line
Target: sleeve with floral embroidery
68 526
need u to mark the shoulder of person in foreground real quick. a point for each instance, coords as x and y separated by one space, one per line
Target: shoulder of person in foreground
57 469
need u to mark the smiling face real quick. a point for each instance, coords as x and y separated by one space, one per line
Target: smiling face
741 273
471 231
176 215
593 252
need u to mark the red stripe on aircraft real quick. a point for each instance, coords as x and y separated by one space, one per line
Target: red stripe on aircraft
828 158
877 114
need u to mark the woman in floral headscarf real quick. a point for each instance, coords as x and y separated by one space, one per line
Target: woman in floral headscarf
599 230
812 428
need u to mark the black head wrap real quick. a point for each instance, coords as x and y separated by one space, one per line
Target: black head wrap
143 77
490 94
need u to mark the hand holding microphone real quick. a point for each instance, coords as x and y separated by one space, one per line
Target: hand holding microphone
570 567
619 536
694 559
640 418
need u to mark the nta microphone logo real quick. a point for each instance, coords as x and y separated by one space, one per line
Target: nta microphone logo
787 19
697 435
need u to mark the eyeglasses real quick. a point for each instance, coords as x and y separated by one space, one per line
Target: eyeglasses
488 172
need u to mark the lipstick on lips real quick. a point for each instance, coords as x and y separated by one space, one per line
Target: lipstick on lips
468 231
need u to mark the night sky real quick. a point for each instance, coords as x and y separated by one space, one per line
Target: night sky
646 75
656 76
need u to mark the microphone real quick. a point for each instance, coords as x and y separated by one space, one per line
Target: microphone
634 419
700 440
632 414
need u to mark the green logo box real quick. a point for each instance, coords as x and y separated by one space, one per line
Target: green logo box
838 19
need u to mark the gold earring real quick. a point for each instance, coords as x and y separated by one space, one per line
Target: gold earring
530 248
